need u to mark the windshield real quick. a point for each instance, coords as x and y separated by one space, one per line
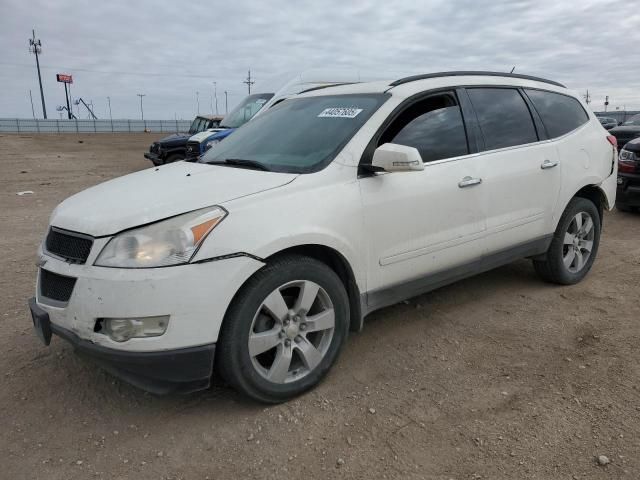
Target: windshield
299 135
245 111
635 120
198 125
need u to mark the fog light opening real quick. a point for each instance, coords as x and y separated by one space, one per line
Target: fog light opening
123 329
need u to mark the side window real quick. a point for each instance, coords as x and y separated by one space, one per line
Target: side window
503 116
559 113
433 126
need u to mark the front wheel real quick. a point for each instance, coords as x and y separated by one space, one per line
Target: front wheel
574 245
284 329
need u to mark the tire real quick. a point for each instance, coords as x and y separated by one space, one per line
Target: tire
277 339
568 259
175 157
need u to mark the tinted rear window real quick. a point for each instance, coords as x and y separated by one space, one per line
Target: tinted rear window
504 117
559 113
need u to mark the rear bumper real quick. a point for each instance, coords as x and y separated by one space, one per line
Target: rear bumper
180 370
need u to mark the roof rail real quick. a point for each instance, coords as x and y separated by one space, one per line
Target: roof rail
321 87
425 76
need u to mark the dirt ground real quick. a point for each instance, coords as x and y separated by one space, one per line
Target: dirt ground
497 377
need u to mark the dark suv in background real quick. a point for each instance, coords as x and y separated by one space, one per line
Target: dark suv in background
173 148
627 131
628 194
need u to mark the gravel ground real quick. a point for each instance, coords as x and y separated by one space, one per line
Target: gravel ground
496 377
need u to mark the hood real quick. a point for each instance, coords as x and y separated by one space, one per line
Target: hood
157 193
633 145
625 128
173 138
202 136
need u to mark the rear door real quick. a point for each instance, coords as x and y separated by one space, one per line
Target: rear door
521 173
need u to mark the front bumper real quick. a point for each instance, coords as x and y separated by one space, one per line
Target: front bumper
195 296
628 192
154 157
181 370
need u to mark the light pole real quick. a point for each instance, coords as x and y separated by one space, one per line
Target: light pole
226 103
215 95
198 102
35 47
141 110
109 101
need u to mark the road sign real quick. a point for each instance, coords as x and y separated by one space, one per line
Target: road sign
64 78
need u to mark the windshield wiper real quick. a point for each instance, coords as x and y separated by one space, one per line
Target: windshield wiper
240 162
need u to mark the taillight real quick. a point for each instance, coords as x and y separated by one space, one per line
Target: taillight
612 140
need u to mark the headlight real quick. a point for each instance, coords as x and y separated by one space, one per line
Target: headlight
628 155
169 242
210 144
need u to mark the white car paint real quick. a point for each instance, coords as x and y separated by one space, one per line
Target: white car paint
391 228
199 137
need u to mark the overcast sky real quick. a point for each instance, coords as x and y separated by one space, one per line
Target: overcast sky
171 50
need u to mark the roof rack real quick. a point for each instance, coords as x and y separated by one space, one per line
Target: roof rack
424 76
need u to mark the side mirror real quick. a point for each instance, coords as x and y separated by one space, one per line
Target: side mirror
392 157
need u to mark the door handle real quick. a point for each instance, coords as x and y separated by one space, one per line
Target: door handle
548 164
469 181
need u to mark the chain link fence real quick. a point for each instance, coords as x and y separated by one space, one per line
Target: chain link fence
28 125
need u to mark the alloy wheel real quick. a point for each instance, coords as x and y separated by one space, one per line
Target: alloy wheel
578 242
291 332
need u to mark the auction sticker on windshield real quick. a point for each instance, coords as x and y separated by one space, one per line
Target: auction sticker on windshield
340 112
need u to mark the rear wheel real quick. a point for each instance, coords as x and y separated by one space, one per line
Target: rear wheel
284 329
574 245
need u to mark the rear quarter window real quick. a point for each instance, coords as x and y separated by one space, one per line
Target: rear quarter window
560 114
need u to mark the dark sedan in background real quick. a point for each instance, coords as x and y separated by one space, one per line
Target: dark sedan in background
608 122
628 194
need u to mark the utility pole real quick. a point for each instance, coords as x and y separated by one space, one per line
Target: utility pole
33 112
587 98
249 82
606 102
215 94
109 102
198 102
141 110
35 47
226 103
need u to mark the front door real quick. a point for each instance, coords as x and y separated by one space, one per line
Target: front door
422 223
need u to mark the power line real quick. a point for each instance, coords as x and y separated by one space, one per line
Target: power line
108 72
35 47
249 82
141 110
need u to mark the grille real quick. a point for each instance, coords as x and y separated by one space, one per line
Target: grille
73 247
56 287
193 150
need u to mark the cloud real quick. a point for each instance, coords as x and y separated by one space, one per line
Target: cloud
171 50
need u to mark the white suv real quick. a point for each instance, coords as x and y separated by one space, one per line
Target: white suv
263 256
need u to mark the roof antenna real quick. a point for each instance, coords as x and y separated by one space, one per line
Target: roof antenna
514 67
